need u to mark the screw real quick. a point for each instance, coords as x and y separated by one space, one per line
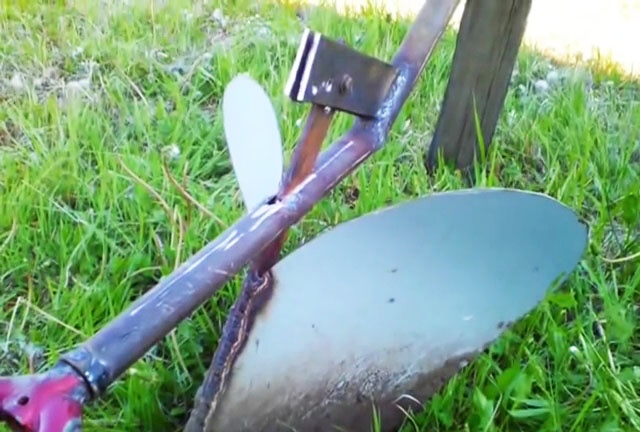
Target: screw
345 85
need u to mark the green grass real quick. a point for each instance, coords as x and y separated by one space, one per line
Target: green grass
80 238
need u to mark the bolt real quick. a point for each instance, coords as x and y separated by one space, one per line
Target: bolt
345 85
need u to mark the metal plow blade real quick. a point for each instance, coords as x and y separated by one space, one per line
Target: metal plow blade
394 303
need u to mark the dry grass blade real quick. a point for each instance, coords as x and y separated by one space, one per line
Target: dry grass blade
187 197
621 259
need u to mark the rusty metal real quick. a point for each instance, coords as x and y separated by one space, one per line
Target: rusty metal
255 293
105 357
307 150
303 159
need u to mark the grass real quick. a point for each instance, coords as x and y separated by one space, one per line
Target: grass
92 94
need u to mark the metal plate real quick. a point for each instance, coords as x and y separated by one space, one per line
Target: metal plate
331 74
253 139
394 303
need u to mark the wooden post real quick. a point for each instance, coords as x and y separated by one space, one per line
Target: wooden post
488 41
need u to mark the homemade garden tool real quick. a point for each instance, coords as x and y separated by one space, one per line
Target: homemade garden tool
384 306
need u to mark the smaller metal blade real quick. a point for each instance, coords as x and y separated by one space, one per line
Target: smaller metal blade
253 139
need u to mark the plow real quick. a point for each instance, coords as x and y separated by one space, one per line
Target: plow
370 318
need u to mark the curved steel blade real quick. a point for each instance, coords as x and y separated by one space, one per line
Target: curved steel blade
394 303
253 138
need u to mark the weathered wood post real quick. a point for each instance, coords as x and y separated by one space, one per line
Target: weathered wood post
487 45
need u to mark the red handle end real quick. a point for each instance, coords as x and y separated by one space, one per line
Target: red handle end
48 402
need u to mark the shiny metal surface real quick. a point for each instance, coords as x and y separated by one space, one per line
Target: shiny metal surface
253 139
394 303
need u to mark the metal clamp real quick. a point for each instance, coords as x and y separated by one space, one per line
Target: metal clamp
330 74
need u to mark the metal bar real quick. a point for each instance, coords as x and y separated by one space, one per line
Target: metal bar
306 152
303 159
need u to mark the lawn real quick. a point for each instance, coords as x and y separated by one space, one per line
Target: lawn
101 102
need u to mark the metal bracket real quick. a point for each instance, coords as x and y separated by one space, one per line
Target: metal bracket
331 74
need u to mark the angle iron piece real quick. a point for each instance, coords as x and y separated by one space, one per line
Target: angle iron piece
330 74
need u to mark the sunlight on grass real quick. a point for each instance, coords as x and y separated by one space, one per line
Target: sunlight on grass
91 94
581 30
